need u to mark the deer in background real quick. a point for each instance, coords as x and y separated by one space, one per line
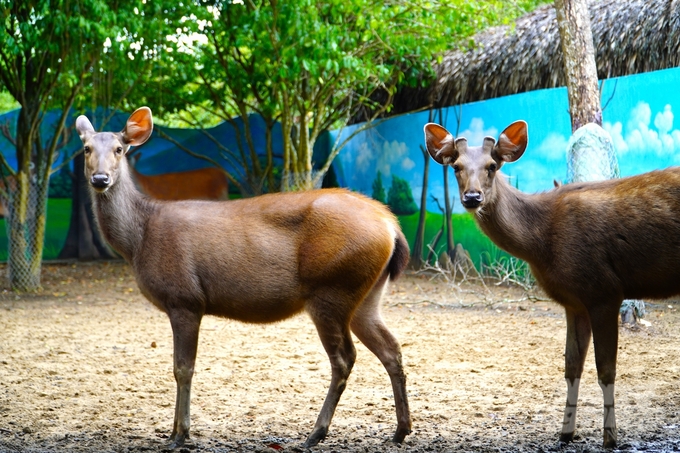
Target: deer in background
259 260
202 184
589 245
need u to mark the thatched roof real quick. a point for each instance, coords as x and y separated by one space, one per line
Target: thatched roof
630 37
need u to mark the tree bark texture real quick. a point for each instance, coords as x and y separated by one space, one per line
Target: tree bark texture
573 22
84 241
419 241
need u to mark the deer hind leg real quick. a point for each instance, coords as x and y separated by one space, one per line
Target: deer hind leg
605 340
367 324
185 327
578 339
332 323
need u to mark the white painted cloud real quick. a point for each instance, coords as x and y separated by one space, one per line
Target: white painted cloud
641 136
394 153
553 147
475 133
364 156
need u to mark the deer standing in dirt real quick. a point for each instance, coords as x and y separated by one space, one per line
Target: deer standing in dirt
259 260
589 245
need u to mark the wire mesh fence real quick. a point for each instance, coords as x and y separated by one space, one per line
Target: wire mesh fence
591 155
25 225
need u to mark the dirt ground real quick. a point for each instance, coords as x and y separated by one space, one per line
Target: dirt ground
86 366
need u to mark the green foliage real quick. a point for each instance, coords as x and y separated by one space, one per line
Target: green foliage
400 197
379 189
60 54
7 102
312 65
60 184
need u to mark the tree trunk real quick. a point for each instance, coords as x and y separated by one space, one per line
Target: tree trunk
84 241
418 243
573 22
450 247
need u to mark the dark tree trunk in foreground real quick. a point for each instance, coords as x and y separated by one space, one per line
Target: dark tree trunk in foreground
573 22
84 240
419 242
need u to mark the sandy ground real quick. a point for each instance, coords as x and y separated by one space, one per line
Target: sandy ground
86 366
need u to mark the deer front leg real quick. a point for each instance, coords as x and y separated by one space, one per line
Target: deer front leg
605 340
185 327
578 338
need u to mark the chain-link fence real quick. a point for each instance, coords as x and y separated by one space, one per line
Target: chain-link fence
301 180
591 155
25 224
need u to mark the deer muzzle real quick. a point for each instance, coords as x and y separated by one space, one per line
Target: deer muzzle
472 200
100 181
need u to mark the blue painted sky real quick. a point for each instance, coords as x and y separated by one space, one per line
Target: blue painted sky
638 115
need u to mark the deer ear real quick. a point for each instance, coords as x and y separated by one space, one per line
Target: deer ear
84 127
440 144
512 142
138 127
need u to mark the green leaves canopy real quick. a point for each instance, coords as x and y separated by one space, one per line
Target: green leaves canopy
312 64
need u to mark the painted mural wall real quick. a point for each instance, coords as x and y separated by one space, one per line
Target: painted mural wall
638 113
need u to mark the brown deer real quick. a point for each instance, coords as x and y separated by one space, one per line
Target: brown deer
259 260
202 184
589 245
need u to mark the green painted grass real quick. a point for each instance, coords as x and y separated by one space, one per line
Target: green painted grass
58 221
465 232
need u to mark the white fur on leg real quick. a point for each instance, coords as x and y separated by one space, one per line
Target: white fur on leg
569 423
608 396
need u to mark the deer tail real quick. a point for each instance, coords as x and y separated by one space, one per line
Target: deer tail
400 256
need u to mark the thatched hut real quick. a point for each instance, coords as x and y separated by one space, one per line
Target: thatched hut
630 37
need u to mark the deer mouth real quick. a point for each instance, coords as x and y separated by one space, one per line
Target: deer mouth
472 205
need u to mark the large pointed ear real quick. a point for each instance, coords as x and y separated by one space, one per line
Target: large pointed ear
440 144
84 127
138 127
512 142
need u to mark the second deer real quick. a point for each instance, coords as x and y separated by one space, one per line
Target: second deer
327 252
589 245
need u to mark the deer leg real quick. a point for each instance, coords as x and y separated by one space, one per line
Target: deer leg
605 341
185 327
578 339
334 333
367 324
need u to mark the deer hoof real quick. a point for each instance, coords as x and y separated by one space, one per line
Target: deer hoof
317 436
400 435
609 438
177 440
567 438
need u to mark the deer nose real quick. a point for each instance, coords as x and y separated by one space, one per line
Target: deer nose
472 200
100 181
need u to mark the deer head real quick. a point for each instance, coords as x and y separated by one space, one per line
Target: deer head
476 166
104 151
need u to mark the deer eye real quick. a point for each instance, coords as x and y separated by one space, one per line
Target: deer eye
86 149
456 168
119 150
492 168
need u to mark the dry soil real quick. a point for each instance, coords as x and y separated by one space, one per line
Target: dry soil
86 366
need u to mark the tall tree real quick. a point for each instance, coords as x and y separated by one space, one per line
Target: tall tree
576 38
416 261
52 51
310 65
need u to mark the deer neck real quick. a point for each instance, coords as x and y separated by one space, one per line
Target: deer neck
122 213
515 221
